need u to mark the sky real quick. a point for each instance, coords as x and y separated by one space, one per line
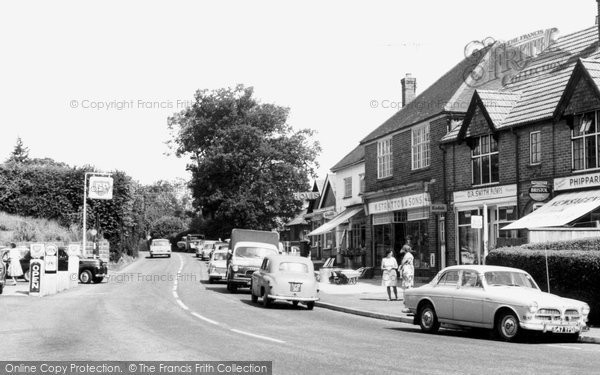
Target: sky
94 82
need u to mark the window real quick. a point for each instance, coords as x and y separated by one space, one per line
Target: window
470 279
420 147
584 140
505 216
347 187
449 278
535 147
361 178
384 158
485 161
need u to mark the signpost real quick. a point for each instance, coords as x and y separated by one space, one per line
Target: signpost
101 187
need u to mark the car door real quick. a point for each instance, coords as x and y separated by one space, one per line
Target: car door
258 278
468 298
442 294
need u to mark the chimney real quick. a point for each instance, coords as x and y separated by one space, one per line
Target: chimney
409 85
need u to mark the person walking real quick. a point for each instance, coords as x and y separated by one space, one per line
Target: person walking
407 268
14 263
389 277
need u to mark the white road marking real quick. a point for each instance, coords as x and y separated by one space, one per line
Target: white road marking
183 306
256 336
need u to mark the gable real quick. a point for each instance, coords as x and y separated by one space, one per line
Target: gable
479 125
328 197
583 99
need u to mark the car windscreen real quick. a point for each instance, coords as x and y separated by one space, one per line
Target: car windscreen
160 242
208 246
293 267
253 252
509 278
220 256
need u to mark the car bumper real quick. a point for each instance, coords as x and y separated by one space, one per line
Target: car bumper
554 327
293 298
160 253
216 275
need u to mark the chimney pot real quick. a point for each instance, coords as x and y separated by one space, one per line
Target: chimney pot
409 88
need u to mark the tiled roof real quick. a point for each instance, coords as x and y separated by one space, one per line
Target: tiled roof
450 93
593 68
540 84
498 104
355 156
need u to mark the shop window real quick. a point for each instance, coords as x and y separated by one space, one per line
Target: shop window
506 215
348 187
535 147
384 158
420 146
485 161
468 238
383 241
584 141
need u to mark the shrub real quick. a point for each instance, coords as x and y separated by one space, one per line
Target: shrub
573 273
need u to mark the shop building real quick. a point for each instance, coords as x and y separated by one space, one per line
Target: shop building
524 162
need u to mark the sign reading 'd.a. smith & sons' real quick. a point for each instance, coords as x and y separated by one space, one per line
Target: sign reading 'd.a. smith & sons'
482 194
577 182
400 203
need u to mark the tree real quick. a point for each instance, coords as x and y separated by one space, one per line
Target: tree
246 161
20 153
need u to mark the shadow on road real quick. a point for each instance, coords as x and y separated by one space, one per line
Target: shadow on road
279 305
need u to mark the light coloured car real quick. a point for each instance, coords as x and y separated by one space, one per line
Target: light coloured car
203 251
285 278
217 266
504 299
160 246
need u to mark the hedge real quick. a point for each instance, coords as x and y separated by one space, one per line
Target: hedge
573 273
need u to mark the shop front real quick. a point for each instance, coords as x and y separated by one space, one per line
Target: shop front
396 219
480 214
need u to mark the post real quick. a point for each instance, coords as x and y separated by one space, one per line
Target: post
84 211
485 233
547 273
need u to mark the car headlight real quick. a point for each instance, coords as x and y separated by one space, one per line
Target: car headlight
585 310
533 307
235 268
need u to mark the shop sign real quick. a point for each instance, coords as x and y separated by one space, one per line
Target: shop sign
438 208
307 195
482 194
539 190
35 279
577 182
400 203
328 215
101 187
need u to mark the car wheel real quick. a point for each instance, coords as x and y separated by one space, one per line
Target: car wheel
253 297
98 280
428 320
27 276
266 300
211 280
507 326
572 337
231 287
1 288
295 303
85 277
310 305
197 256
151 255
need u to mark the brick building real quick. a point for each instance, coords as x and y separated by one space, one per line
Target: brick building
525 160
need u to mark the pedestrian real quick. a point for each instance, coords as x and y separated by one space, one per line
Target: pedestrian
389 277
14 263
407 268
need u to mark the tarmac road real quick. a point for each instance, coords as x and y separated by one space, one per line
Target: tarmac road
148 312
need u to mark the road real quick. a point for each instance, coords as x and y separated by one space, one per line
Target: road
147 312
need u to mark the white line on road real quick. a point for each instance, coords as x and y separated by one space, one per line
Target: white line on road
183 306
205 319
256 336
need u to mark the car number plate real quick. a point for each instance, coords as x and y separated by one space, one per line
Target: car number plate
295 287
563 329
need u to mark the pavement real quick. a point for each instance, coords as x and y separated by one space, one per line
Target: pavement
368 298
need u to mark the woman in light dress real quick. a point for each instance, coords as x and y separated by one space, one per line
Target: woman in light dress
389 277
407 268
14 265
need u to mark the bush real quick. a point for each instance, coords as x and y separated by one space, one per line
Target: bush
573 273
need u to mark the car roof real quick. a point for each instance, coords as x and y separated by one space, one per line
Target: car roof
160 239
483 268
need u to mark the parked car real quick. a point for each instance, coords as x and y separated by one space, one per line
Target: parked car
285 278
2 271
160 246
190 242
203 251
217 266
504 299
90 269
218 246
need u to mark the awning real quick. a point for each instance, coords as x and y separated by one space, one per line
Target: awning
561 210
333 223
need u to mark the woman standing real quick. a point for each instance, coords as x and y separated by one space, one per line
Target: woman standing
389 265
14 265
407 269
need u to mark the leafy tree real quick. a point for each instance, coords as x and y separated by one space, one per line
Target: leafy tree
246 161
167 227
20 153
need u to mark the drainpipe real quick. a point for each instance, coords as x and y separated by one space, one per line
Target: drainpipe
517 174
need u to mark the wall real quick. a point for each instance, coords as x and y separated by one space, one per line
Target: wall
338 182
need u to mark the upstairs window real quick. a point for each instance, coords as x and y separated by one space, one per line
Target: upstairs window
362 187
485 161
584 141
420 147
384 158
535 147
347 187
